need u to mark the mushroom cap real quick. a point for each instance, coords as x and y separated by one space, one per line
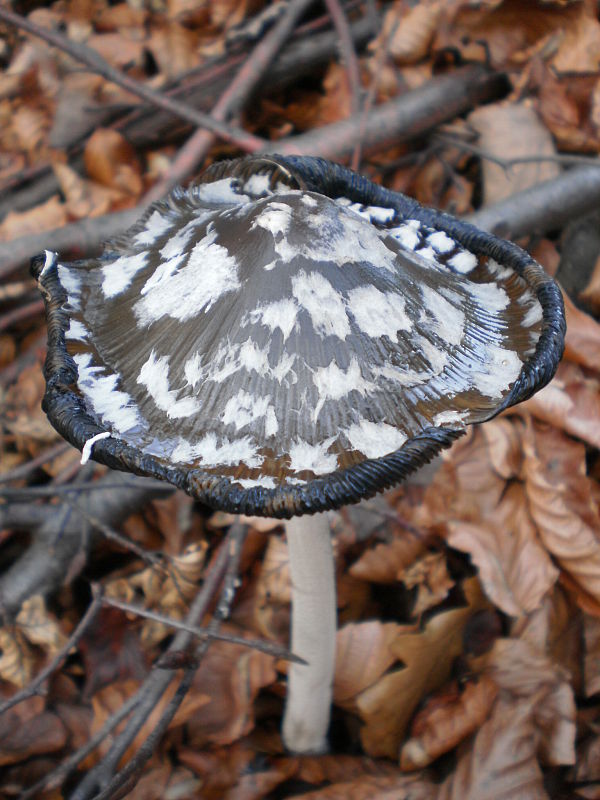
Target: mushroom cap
286 337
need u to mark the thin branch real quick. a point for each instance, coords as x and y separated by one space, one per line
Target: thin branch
564 159
97 64
33 686
232 100
24 470
52 491
548 206
155 685
269 648
403 118
348 52
21 313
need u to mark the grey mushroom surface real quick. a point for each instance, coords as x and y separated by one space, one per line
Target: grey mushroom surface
286 337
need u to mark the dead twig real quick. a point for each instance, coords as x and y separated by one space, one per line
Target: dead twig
102 777
194 151
20 314
545 207
24 470
405 117
33 686
203 633
97 64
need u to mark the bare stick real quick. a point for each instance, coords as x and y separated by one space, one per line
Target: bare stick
97 64
24 470
269 648
75 239
232 100
405 117
20 314
33 686
342 27
545 207
101 776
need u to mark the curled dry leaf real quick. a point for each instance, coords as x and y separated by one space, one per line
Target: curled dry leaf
111 161
591 294
84 198
447 720
582 342
429 575
17 660
363 655
387 706
504 447
230 676
562 505
273 591
571 403
408 31
515 570
501 763
39 626
385 562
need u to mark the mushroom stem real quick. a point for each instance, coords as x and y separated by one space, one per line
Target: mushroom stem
307 711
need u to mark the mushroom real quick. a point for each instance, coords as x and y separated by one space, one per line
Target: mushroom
286 337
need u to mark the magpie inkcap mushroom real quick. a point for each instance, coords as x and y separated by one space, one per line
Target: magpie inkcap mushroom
286 337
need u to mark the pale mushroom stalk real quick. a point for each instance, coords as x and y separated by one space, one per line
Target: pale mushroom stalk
312 572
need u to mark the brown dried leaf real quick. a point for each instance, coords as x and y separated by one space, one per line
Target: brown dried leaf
231 676
501 763
570 402
405 787
363 654
582 342
591 294
17 661
45 217
515 570
430 575
385 562
408 31
28 730
84 198
591 664
447 720
579 49
562 505
40 627
273 591
111 161
387 706
507 131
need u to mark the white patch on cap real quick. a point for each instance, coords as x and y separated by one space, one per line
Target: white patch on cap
463 262
428 255
406 235
117 275
500 370
448 321
332 382
313 457
275 217
374 439
271 424
86 451
175 245
490 296
244 409
281 314
257 185
534 314
156 225
154 375
193 370
221 192
441 242
162 273
323 303
70 283
210 273
449 418
266 482
402 377
499 271
437 358
113 407
213 452
76 330
309 200
373 213
377 313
